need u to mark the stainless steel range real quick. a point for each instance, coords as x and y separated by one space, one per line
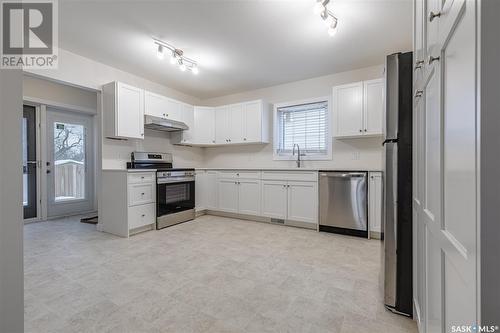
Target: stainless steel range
175 188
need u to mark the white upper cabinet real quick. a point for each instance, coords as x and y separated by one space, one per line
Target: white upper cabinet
204 125
186 115
235 116
123 109
359 109
348 109
221 125
161 106
255 122
373 105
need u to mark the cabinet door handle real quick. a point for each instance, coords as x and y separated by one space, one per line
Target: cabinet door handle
143 215
419 93
365 130
244 139
360 130
433 15
432 59
419 64
142 193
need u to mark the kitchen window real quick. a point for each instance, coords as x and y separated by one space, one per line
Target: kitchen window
305 124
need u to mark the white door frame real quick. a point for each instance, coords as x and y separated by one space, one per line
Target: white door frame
78 206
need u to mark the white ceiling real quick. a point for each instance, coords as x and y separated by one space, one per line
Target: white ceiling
240 45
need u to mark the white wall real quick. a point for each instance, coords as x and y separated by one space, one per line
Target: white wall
83 72
369 151
11 223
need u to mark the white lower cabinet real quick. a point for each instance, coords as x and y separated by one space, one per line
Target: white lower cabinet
128 202
249 197
239 196
227 190
274 199
142 215
290 200
211 190
303 201
375 200
288 196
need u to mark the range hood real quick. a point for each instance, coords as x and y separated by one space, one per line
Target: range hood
165 125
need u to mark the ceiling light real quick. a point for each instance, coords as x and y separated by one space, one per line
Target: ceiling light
320 6
330 20
177 56
332 30
160 53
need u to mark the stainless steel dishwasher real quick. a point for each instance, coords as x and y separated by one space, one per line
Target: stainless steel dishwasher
343 202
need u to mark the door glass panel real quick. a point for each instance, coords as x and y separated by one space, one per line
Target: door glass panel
69 161
29 162
25 162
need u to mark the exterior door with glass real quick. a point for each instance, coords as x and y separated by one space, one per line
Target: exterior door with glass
30 163
70 165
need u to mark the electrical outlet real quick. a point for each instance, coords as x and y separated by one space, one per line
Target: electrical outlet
356 156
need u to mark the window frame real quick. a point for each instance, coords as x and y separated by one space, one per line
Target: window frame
329 138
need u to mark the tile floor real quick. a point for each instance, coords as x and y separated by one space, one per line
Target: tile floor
209 275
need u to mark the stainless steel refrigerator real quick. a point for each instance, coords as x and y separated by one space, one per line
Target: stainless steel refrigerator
397 225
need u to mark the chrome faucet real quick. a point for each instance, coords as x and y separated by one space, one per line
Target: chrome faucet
298 153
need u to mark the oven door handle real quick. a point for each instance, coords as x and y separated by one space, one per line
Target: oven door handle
173 181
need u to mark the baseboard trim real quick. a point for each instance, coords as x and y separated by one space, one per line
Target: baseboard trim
260 219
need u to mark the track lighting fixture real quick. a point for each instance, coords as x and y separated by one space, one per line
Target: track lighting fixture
176 57
330 20
160 52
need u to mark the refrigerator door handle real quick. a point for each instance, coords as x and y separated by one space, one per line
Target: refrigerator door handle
389 141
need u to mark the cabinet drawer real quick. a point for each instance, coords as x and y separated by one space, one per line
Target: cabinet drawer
306 176
139 194
139 216
141 177
231 174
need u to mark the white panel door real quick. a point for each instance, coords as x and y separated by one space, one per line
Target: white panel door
458 238
446 204
173 110
373 106
418 40
252 121
303 202
228 195
235 113
188 119
221 125
274 199
204 125
211 190
375 201
348 109
130 112
200 189
155 105
249 197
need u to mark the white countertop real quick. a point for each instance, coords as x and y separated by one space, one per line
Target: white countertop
292 169
129 170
